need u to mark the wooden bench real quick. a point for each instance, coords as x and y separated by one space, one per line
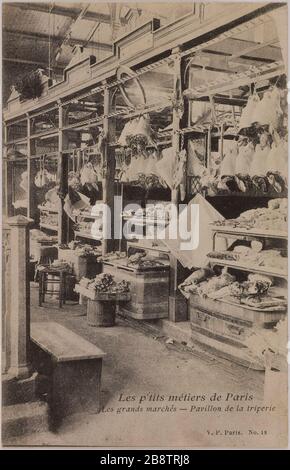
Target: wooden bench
73 365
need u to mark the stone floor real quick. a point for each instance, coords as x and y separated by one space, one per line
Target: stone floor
143 364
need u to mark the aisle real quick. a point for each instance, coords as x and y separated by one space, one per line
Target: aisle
137 364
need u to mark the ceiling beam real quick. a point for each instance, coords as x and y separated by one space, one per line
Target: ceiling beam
57 39
245 57
15 60
63 11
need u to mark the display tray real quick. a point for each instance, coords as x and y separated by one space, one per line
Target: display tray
120 265
248 231
230 301
103 296
245 267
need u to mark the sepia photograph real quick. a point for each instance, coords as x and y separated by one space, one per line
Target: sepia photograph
144 226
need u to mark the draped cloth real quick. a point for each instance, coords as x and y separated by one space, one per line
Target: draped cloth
75 200
196 257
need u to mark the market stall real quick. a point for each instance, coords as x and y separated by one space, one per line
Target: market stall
202 114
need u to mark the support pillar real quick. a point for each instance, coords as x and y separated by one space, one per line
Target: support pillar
62 176
177 303
109 165
20 298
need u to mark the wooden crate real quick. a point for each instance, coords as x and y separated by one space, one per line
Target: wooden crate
230 312
83 265
149 290
223 328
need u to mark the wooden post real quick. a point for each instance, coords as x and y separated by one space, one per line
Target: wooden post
175 113
62 172
20 298
31 173
208 148
109 165
7 170
6 297
222 142
177 303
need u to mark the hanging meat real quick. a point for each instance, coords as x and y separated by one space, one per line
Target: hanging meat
277 159
127 131
245 156
165 166
195 166
268 111
179 175
88 174
228 164
248 112
259 161
43 176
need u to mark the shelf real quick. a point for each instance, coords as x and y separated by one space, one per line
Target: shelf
46 209
248 233
49 133
249 194
49 227
19 140
78 233
86 122
259 270
144 221
145 247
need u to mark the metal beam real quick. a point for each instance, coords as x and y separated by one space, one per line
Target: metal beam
63 11
30 62
57 39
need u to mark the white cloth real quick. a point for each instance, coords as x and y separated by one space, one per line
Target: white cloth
69 207
197 257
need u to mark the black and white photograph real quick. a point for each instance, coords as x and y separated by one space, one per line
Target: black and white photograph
144 225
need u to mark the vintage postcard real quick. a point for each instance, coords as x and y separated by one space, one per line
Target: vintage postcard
145 225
